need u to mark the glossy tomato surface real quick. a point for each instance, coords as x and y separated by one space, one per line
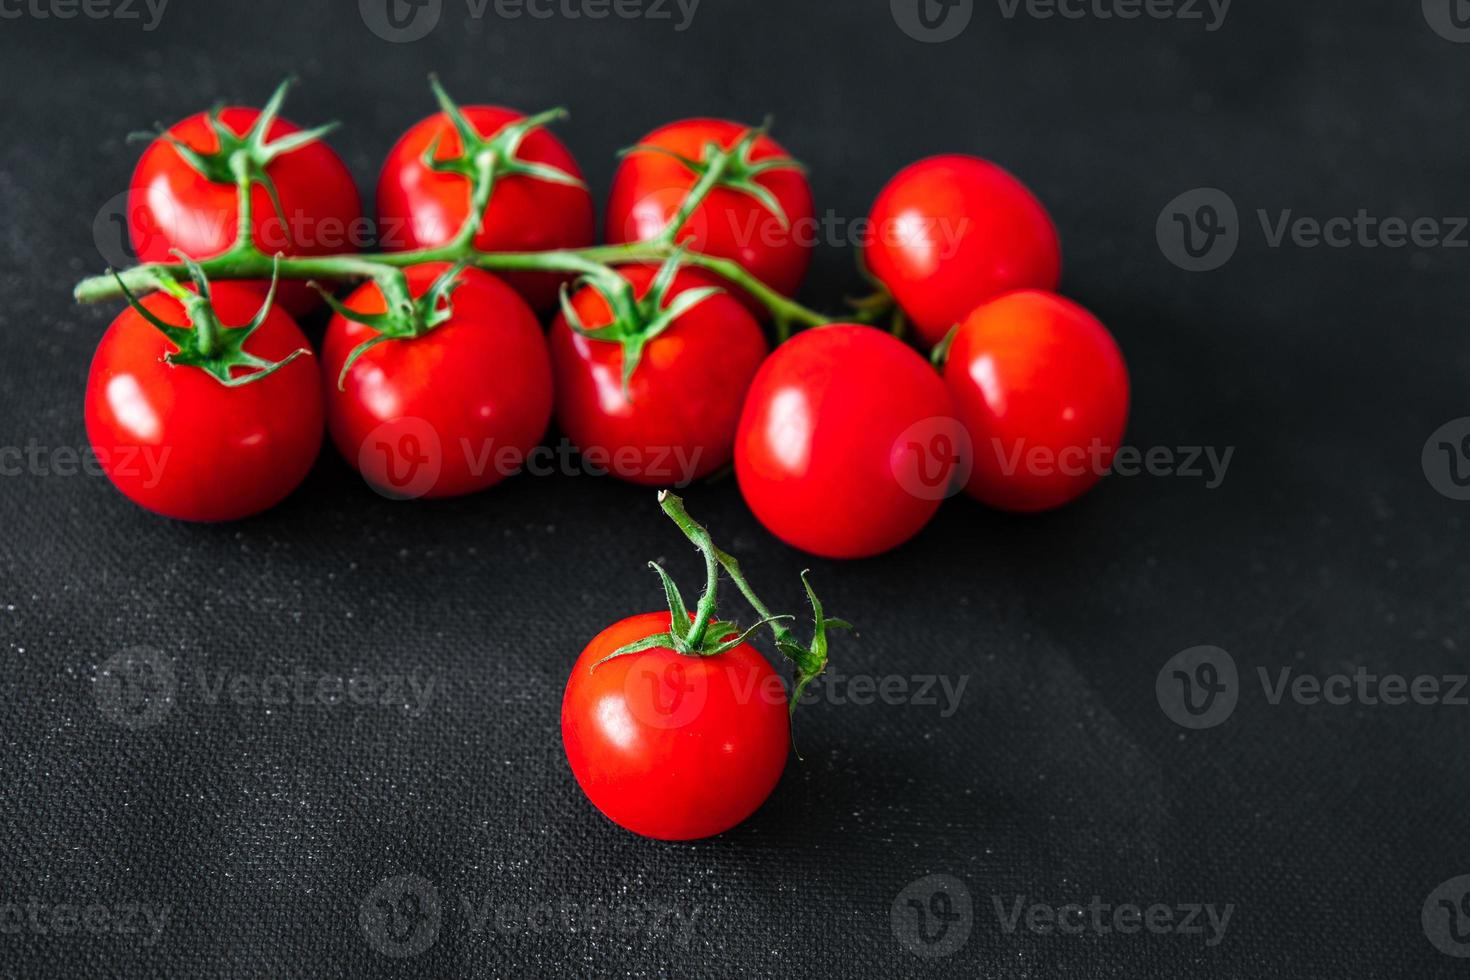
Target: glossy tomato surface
423 208
180 443
450 412
952 231
833 450
677 421
672 746
1043 390
649 188
171 205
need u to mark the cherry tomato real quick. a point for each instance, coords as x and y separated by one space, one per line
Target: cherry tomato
423 208
173 206
1043 390
677 421
952 231
175 440
832 451
649 188
672 746
450 412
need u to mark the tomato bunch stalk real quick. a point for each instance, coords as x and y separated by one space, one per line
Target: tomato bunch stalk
482 161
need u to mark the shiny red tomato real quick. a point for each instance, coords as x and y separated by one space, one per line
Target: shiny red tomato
676 421
833 453
419 207
1043 390
175 440
649 188
450 412
672 746
171 205
952 231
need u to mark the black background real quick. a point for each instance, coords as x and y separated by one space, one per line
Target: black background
1058 778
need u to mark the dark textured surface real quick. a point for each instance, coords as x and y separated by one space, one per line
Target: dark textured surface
265 829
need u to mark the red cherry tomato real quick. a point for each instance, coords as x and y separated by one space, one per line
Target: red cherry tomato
671 746
423 208
649 188
1043 390
833 450
446 413
952 231
178 442
677 421
173 206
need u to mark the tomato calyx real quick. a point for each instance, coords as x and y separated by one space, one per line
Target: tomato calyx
241 159
210 346
635 321
405 317
483 160
878 305
707 636
730 168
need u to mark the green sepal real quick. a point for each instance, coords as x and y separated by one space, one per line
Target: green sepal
405 317
498 152
939 356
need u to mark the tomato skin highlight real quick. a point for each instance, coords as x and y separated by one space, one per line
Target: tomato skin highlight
173 206
474 387
648 189
670 746
822 436
1033 370
176 441
677 422
422 208
952 231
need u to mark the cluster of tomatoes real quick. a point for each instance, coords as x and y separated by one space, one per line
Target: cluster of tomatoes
844 439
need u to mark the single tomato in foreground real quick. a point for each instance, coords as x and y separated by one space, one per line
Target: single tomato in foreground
537 200
446 399
215 418
303 200
655 391
1043 390
674 726
759 213
952 231
846 443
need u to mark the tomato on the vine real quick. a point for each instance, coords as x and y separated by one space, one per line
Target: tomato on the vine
447 404
303 201
656 390
1043 390
758 214
537 199
952 231
674 726
176 439
673 746
833 450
